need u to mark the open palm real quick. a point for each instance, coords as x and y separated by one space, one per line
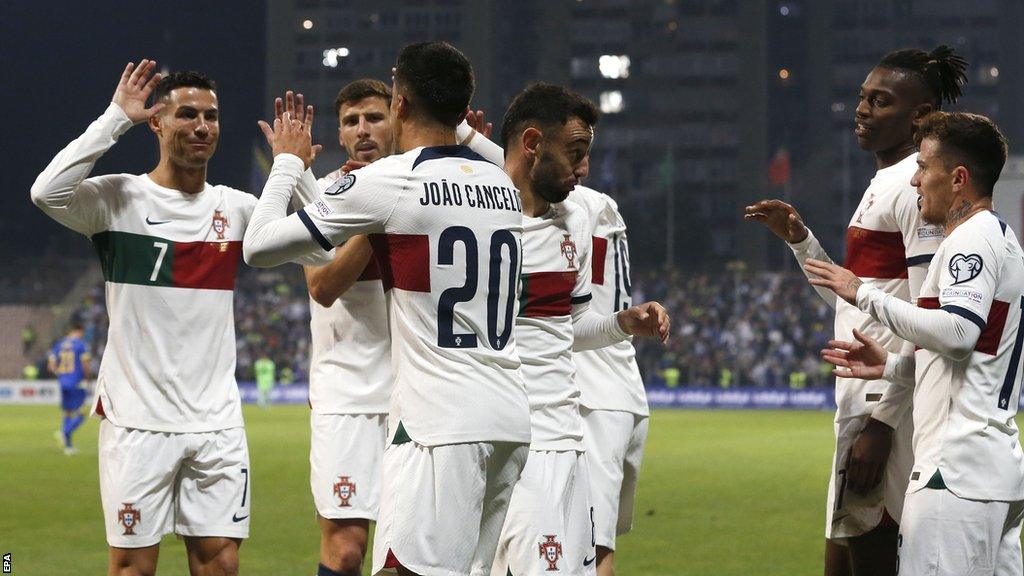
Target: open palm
864 359
134 89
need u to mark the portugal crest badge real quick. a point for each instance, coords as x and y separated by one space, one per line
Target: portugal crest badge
129 517
344 489
220 224
551 551
569 250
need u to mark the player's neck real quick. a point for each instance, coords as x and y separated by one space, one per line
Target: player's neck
892 156
190 180
963 211
415 135
533 205
519 172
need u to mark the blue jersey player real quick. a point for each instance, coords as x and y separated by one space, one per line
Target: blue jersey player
69 361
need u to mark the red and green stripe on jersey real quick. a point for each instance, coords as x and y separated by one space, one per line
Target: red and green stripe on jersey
547 294
128 258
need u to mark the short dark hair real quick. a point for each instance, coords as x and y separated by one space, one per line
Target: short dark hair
363 88
942 70
545 105
437 79
969 140
185 79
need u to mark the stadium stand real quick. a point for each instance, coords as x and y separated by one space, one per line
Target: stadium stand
741 329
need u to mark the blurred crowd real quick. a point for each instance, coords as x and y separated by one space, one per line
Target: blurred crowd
731 329
735 329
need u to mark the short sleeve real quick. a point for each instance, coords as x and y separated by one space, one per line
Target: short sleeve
360 202
969 267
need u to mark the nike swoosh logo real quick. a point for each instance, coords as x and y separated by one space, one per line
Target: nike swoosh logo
588 562
151 223
235 518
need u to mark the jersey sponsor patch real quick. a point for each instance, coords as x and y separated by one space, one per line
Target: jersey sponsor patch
322 208
964 268
343 184
974 296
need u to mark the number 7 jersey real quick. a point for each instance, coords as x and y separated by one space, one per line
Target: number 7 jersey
964 410
446 228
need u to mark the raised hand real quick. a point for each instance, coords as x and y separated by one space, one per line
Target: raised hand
781 218
134 89
477 121
291 137
292 104
834 277
647 319
864 359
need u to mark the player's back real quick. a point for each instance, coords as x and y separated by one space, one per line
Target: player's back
449 255
68 354
964 410
608 377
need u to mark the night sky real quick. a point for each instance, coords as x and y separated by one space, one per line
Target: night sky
61 63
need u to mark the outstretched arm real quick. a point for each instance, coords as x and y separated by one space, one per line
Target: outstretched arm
785 222
60 190
272 237
937 330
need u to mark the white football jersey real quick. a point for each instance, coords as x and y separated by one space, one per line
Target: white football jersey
888 246
608 378
350 354
446 228
556 268
964 410
169 260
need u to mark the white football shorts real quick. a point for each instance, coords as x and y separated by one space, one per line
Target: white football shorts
442 507
615 448
550 523
944 535
849 514
346 452
155 483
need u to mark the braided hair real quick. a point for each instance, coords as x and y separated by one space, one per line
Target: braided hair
942 70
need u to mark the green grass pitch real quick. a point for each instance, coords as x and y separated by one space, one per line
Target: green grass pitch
721 493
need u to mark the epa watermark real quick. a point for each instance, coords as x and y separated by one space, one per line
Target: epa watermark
7 563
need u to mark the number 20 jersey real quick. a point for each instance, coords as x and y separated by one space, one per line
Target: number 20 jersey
964 409
446 229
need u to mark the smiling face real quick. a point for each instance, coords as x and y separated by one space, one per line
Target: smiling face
562 160
364 129
188 127
934 181
890 101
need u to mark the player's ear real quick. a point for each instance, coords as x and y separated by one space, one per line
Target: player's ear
923 109
961 178
401 107
155 124
531 141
